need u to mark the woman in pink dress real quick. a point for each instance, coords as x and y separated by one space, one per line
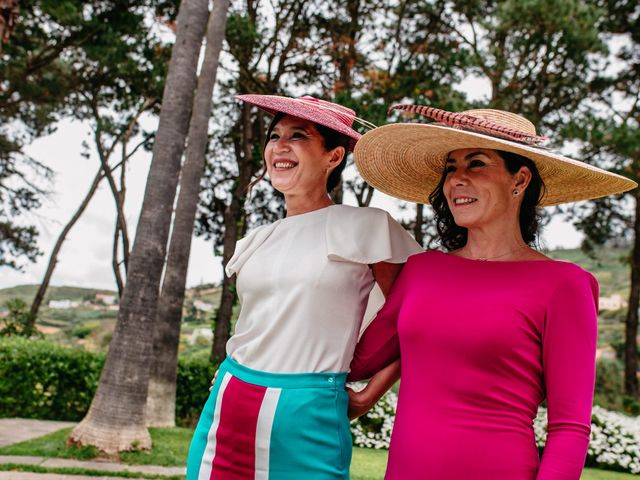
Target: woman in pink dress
488 328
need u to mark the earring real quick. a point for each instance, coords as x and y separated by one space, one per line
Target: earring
515 192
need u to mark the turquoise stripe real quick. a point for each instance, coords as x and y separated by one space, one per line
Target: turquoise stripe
199 439
285 380
310 438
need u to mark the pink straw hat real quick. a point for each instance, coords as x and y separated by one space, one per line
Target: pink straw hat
328 114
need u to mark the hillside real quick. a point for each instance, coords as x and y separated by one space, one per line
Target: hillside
609 267
27 292
78 294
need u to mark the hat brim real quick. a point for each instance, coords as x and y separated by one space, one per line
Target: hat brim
406 161
274 104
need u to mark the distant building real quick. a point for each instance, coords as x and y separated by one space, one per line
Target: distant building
63 304
614 302
606 353
200 332
106 298
203 306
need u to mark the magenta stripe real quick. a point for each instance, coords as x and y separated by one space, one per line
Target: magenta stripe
236 435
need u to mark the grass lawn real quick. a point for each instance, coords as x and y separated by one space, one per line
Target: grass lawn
171 445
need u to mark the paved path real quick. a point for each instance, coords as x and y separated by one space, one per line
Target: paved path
14 430
91 465
52 476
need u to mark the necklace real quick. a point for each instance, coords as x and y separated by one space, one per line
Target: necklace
484 259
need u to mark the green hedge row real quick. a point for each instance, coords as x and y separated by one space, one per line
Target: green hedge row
39 379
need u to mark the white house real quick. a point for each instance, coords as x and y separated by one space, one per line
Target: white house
62 304
203 306
106 298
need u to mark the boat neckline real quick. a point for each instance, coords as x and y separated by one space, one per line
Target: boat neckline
477 260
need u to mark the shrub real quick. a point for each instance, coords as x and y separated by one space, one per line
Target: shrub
19 321
373 430
609 387
82 330
192 390
39 379
614 441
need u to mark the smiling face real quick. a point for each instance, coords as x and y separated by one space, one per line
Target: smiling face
480 190
296 158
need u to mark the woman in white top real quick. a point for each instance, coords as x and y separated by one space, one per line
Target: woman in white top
278 407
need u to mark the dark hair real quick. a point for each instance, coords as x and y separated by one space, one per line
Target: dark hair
331 140
453 236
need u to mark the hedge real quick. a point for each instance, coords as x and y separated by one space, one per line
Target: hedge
39 379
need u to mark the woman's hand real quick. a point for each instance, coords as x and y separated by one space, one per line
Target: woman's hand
359 403
213 380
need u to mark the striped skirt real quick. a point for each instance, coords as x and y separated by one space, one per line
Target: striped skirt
258 425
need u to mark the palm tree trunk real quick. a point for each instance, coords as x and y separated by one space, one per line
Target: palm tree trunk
631 322
161 398
116 420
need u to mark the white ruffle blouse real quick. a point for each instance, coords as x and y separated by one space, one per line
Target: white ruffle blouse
304 283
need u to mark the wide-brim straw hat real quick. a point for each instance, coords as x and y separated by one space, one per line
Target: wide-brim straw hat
407 160
322 112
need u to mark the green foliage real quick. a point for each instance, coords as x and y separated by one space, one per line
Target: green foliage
192 388
609 387
76 59
606 128
192 314
39 379
82 330
18 320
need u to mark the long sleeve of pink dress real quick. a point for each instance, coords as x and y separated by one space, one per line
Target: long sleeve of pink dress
482 345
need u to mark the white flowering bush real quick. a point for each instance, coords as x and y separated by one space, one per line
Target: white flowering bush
614 443
373 430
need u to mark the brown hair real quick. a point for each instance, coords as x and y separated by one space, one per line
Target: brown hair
453 237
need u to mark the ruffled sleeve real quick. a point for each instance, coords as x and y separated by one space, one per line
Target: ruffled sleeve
247 245
367 235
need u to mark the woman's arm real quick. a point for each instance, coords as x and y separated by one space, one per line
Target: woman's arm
379 346
568 361
385 274
362 401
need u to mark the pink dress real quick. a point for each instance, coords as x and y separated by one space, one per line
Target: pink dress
483 344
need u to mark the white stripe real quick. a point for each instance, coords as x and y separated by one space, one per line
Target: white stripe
263 432
210 450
